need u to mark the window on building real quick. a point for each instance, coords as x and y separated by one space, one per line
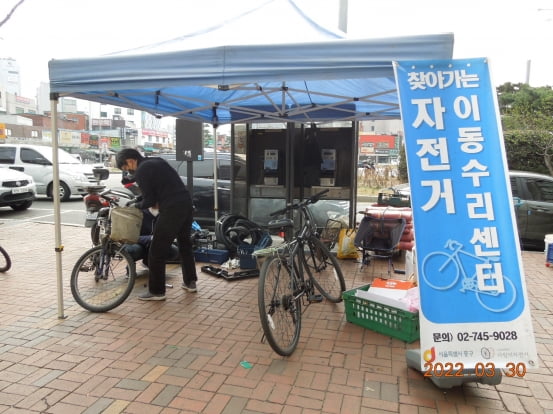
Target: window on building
117 111
130 111
34 134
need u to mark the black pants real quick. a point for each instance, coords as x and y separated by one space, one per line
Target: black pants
172 222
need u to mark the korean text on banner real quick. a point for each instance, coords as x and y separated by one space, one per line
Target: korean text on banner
474 307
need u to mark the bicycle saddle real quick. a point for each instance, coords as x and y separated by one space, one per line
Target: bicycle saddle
279 223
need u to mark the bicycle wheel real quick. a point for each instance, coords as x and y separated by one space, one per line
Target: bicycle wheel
5 261
440 271
103 278
279 311
324 270
495 301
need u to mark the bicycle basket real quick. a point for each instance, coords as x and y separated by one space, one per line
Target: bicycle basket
330 233
125 224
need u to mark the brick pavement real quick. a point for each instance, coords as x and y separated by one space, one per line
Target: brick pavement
183 355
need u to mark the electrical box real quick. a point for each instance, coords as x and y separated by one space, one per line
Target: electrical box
328 167
270 167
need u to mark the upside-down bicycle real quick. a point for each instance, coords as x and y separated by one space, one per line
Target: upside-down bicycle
283 288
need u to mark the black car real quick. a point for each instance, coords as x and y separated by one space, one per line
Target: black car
533 201
203 185
203 196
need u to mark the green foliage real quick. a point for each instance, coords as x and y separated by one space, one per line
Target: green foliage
524 152
527 119
402 166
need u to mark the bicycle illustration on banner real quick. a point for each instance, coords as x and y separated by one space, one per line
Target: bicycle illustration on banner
442 271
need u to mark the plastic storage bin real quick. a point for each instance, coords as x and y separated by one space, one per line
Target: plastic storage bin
211 255
245 257
377 317
548 249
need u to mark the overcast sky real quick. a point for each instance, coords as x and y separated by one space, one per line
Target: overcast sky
509 32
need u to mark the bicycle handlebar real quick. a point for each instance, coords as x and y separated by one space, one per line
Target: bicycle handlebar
134 201
311 200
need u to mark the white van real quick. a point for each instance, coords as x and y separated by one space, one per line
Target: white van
36 160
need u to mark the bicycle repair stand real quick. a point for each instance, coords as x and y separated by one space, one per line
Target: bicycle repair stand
413 357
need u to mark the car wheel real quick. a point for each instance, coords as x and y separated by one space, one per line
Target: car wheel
65 192
24 205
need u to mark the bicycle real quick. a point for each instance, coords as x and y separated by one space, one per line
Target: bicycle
283 288
5 260
104 276
442 270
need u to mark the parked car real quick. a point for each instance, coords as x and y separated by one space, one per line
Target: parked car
533 201
203 196
533 194
17 190
203 185
37 161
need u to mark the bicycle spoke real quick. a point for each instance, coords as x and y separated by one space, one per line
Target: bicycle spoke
323 268
102 280
280 312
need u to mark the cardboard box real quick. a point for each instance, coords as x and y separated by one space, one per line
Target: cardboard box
390 292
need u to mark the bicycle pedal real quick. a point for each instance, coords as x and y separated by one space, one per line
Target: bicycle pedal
315 298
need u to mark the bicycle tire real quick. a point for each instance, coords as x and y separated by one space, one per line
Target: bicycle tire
95 234
279 312
221 227
98 294
440 271
324 270
5 260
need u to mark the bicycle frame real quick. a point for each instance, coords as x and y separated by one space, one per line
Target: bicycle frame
469 283
450 267
283 283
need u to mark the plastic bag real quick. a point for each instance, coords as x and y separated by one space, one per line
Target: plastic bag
346 247
125 224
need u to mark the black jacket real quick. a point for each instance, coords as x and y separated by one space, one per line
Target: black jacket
160 184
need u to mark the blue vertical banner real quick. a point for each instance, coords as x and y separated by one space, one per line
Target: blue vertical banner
474 311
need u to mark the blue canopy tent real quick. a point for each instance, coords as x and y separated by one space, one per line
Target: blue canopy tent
322 78
304 82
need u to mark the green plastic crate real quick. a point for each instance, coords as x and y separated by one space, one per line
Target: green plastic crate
381 318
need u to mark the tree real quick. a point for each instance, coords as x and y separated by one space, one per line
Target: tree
9 15
527 119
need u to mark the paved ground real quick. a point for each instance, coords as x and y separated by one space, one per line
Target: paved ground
184 355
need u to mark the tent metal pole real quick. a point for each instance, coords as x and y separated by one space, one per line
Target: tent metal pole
56 197
216 195
215 123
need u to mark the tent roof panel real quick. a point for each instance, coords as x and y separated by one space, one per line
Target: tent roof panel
189 83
